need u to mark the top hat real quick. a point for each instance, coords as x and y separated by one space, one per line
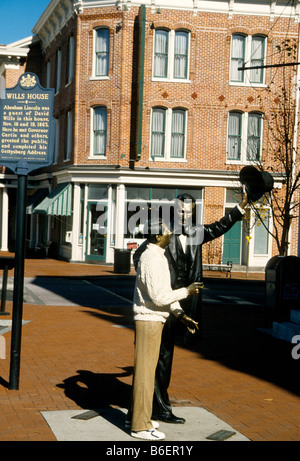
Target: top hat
256 182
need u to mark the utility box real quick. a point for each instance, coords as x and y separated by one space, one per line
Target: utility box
282 276
122 261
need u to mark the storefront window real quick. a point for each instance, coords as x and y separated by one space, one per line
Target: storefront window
97 192
66 230
143 202
261 235
234 195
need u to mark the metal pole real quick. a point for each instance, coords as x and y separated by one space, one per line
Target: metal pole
269 65
4 290
18 284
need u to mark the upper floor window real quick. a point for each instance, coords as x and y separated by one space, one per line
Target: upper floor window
248 51
70 60
56 148
48 74
58 71
68 138
168 133
244 136
171 54
102 41
99 130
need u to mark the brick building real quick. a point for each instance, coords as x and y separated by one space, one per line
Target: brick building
149 102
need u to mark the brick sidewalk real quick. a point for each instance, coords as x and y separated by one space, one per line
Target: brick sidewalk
79 357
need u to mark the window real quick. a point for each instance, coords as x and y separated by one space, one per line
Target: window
247 51
171 54
99 130
68 139
58 71
158 132
56 148
253 137
234 136
178 133
244 136
261 234
102 40
181 54
142 201
70 60
48 75
168 133
161 53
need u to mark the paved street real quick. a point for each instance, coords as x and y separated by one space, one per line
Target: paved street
77 356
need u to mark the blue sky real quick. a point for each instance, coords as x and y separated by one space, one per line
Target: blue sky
18 17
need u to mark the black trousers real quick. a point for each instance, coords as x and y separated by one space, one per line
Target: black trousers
161 402
172 329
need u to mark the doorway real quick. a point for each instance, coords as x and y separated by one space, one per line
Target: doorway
96 231
232 244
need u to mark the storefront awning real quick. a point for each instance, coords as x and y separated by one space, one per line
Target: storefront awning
34 200
58 202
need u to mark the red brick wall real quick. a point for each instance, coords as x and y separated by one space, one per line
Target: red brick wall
208 97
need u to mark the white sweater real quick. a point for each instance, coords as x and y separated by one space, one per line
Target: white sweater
154 298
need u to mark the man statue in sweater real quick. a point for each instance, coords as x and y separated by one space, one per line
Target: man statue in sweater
184 254
153 301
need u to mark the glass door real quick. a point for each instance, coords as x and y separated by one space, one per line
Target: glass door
96 231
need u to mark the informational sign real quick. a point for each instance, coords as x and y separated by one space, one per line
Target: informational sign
27 126
26 144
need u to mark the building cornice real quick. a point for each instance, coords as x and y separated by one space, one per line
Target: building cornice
59 12
14 52
116 174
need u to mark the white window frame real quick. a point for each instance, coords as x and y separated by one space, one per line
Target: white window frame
244 138
92 139
246 81
168 134
94 76
171 57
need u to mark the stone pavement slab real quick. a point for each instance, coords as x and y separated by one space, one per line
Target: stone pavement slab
108 425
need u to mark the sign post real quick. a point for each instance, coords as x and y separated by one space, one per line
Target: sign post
26 144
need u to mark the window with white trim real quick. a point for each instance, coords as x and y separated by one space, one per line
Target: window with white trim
101 46
244 139
248 51
168 133
171 54
261 233
99 131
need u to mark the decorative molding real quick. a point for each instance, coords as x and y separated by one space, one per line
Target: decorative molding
59 12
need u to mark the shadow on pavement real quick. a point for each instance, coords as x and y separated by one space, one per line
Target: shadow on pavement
98 390
229 330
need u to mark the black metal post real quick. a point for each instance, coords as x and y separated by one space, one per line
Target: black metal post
4 290
18 284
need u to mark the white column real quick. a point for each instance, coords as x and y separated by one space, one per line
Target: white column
75 256
120 216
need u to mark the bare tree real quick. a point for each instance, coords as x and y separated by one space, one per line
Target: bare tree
281 156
